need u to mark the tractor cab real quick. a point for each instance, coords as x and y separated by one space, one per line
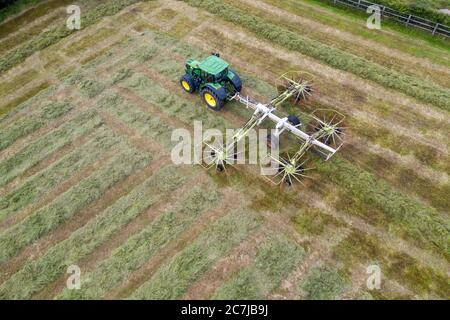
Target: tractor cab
212 79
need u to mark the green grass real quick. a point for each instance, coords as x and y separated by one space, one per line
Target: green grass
90 88
323 283
354 21
56 34
334 57
34 152
172 104
404 214
122 74
79 46
369 53
17 82
276 258
312 222
22 37
146 124
37 185
359 248
173 279
32 92
141 247
35 275
69 203
33 122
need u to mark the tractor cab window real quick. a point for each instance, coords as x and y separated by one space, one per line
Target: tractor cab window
222 74
208 77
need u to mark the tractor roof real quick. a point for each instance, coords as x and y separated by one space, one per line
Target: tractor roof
213 65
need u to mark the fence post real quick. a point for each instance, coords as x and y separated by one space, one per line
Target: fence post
435 28
334 1
359 3
407 21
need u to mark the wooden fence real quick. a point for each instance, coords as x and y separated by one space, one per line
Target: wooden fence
407 19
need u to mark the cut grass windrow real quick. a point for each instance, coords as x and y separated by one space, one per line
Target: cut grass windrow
172 104
34 276
414 218
39 149
69 203
37 185
332 56
277 257
361 248
142 246
323 283
173 279
54 35
144 123
33 122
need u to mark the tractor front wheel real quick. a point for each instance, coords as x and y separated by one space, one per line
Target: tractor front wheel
212 99
187 83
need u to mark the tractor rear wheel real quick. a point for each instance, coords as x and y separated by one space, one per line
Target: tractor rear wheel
187 83
212 99
236 82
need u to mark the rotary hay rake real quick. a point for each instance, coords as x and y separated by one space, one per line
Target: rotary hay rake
320 131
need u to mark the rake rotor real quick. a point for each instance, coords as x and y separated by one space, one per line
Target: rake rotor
324 130
294 85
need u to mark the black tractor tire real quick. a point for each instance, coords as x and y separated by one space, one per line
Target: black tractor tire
236 82
187 83
212 99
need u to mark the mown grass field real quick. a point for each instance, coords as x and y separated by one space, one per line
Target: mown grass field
86 176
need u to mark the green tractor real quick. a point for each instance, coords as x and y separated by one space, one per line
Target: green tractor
212 78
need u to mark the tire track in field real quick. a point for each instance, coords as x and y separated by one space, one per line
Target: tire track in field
227 203
104 250
223 269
